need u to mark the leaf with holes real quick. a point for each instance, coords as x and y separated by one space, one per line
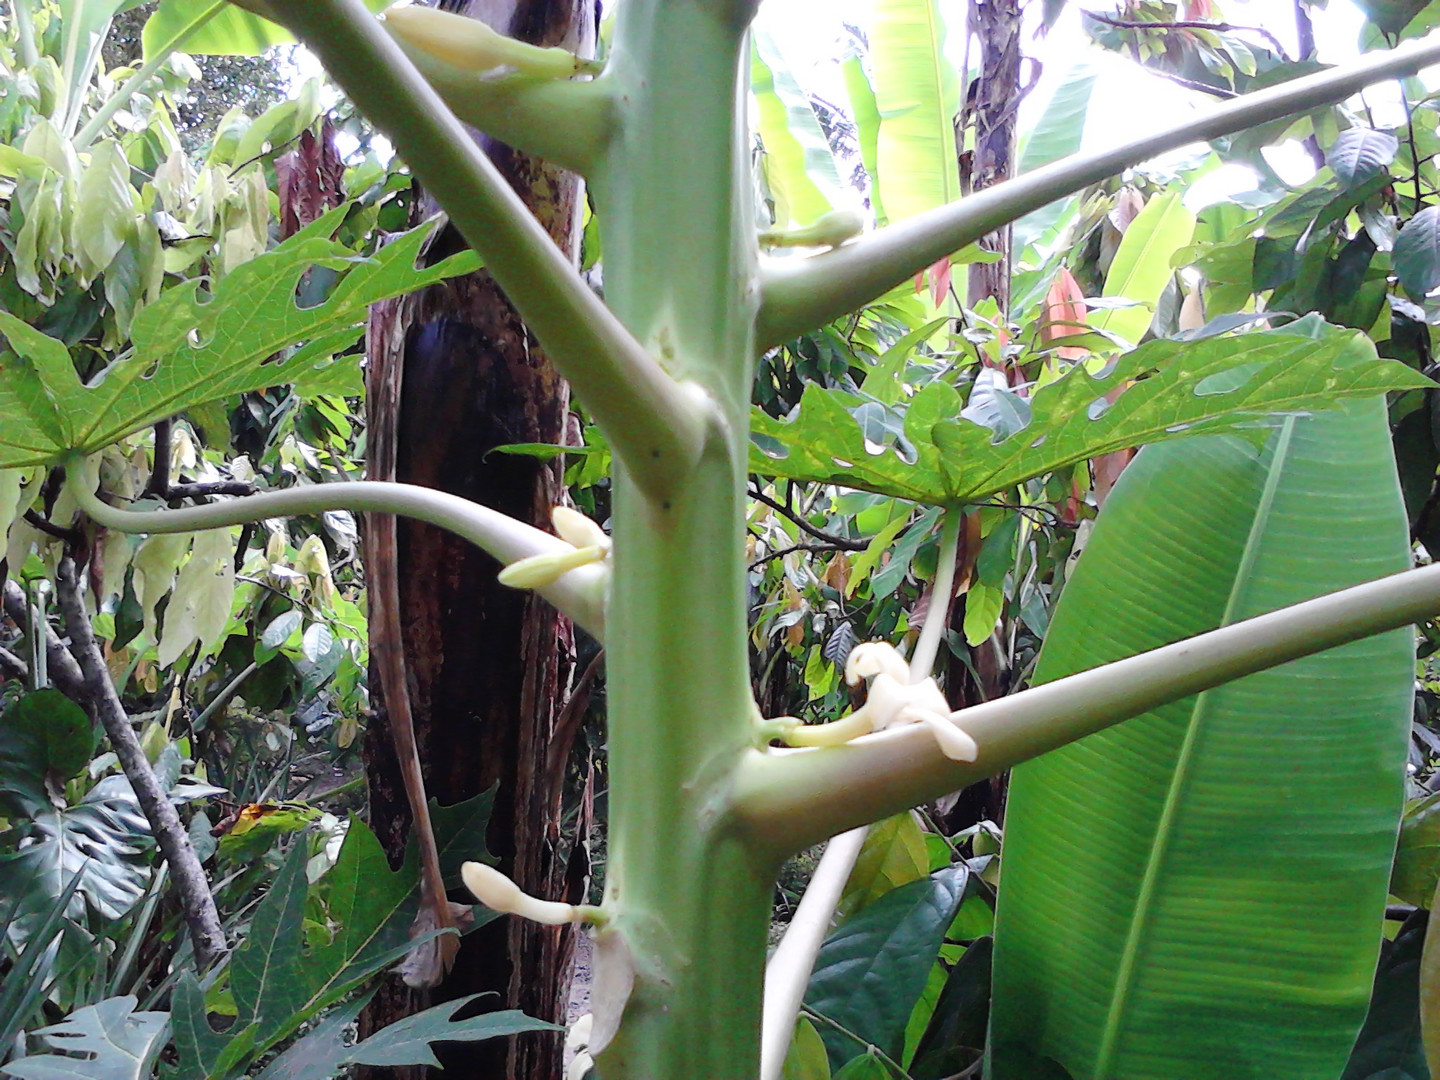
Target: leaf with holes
190 349
1166 389
105 1041
1360 153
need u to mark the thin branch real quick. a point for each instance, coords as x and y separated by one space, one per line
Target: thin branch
1190 24
892 1067
842 543
430 961
567 725
1414 150
780 553
49 528
789 799
656 425
1304 31
801 294
191 887
579 593
1194 84
565 122
220 700
159 482
208 488
64 672
13 666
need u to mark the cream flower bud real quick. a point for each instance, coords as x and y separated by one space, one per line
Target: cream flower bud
537 571
588 544
577 530
874 658
499 893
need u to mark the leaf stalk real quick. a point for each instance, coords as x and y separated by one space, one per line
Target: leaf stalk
801 294
793 798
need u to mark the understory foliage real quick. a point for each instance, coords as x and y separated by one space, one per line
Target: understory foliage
1199 891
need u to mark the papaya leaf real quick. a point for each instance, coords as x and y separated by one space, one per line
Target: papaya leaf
1165 389
190 349
407 1041
117 1043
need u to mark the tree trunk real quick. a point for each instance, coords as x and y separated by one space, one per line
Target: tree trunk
452 374
992 107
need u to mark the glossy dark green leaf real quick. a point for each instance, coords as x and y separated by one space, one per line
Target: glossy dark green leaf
1360 153
1199 891
1416 256
1417 855
1389 1046
873 967
1391 16
43 734
957 1027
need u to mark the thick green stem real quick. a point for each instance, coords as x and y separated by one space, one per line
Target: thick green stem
654 423
795 797
579 593
690 896
801 294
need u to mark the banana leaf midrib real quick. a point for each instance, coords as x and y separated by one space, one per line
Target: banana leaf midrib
1139 920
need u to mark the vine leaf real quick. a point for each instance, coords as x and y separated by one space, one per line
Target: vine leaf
190 349
1165 389
1360 153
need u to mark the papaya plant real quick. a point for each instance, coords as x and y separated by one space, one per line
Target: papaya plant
664 365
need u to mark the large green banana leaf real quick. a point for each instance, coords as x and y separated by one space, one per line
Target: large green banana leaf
1198 893
799 165
917 93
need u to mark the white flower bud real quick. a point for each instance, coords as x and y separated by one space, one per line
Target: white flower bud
499 893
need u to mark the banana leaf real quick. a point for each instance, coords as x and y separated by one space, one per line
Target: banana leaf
1198 893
